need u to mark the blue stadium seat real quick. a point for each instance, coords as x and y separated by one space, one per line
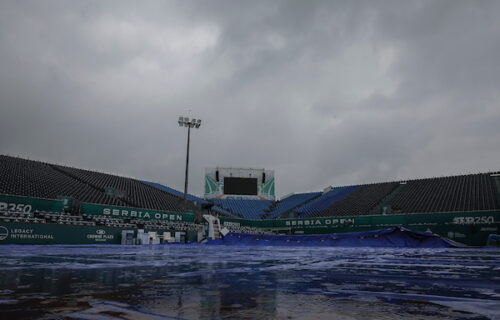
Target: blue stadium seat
325 201
249 209
291 202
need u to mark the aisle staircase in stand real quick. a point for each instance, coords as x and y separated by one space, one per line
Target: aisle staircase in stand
217 234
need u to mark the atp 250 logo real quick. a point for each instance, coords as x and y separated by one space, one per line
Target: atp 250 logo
474 220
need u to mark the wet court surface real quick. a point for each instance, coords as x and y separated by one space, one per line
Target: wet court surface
211 282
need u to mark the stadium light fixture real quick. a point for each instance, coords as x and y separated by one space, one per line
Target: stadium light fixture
193 123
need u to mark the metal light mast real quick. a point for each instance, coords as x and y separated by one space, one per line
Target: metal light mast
193 123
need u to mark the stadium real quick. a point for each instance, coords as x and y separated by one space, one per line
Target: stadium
346 168
65 205
82 244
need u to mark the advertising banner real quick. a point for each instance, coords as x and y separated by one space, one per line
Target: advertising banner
31 233
134 213
27 205
470 228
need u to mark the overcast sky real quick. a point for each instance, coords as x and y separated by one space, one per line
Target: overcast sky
323 92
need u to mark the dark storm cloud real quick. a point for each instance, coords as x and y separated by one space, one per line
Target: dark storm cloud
325 93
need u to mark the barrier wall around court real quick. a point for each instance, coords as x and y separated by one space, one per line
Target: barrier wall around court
38 233
471 228
29 233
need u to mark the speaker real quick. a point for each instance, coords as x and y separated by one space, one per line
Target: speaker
263 177
217 175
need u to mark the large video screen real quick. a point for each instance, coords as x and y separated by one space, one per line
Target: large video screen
240 186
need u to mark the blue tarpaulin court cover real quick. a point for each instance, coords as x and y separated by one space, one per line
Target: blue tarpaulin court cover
396 237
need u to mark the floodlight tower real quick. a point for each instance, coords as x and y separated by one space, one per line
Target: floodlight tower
193 123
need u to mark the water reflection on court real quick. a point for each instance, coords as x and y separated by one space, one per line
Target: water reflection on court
200 282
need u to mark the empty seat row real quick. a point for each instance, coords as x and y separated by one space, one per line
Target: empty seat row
248 209
325 201
289 203
473 192
42 180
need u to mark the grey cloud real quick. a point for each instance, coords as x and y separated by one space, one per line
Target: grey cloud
323 92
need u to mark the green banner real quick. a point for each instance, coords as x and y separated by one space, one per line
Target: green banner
31 233
134 213
471 228
26 204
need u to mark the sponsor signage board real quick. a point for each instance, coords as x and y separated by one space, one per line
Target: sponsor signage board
27 205
35 233
31 233
471 228
134 213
